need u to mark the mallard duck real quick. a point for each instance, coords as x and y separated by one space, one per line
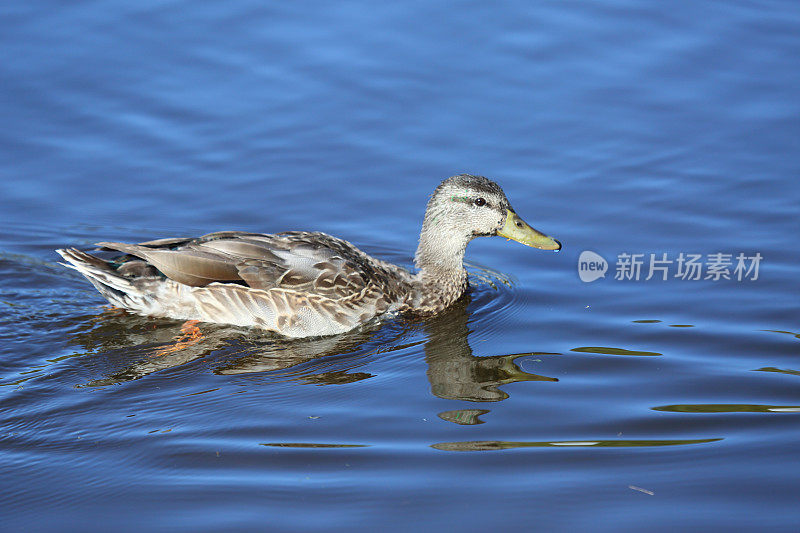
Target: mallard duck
301 284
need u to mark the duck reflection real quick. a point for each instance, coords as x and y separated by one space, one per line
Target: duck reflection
142 346
454 373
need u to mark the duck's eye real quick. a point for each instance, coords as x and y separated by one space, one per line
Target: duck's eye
480 202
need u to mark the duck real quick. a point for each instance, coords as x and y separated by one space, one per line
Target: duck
305 284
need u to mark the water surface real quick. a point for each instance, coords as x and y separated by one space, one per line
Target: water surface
538 401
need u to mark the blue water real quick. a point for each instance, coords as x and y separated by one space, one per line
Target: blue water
539 402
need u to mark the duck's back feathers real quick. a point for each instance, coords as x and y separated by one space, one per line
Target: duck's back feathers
310 262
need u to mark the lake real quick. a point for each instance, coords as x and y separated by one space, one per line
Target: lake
655 387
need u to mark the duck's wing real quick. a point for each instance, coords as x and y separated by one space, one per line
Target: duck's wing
309 263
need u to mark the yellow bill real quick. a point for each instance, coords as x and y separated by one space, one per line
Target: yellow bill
518 230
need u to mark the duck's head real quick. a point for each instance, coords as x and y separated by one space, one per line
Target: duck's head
464 207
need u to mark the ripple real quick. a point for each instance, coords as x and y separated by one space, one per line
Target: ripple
493 445
781 370
494 298
796 335
311 445
612 351
728 408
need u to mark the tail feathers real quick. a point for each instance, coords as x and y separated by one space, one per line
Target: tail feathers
117 289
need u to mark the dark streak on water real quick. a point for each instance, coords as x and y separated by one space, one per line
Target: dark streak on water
615 126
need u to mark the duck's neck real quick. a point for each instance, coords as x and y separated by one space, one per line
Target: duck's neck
440 260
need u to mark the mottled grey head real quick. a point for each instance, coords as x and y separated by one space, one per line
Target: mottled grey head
464 207
467 205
